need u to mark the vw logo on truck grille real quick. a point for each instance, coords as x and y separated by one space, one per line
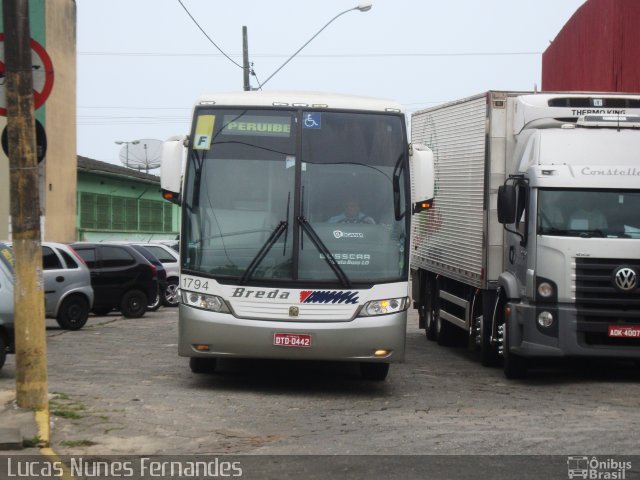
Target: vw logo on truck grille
625 279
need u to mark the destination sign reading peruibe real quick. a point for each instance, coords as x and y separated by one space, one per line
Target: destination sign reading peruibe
257 125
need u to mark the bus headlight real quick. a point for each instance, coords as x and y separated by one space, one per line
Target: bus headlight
206 302
384 307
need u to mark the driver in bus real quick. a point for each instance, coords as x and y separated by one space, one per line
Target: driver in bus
352 214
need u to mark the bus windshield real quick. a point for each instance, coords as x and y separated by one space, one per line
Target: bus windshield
270 195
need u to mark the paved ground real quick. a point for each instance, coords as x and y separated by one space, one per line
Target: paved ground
119 387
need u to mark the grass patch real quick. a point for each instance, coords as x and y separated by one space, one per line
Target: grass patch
66 414
77 443
64 407
60 396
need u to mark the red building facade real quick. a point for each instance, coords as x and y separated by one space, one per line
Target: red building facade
598 49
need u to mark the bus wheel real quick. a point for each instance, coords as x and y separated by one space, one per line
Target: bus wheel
374 371
3 350
202 365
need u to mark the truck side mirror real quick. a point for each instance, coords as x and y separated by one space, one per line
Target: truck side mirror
423 171
171 168
507 204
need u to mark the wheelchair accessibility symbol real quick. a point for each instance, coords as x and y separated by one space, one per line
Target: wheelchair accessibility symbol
311 120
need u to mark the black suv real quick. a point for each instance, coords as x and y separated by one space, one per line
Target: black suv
121 278
155 302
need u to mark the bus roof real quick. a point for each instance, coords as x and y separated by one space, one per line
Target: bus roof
300 99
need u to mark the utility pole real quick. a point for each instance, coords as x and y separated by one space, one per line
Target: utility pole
31 345
245 59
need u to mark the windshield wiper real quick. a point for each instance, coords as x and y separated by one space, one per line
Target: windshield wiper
270 242
322 248
554 231
572 233
592 233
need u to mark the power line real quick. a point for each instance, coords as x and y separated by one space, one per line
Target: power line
130 107
208 37
311 55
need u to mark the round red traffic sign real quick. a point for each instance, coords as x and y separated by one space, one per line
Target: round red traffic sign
42 75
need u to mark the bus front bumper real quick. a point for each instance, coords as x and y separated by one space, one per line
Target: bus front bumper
223 335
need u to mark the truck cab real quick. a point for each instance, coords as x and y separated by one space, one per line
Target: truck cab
572 238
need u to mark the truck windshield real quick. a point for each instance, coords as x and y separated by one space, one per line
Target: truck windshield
589 213
256 177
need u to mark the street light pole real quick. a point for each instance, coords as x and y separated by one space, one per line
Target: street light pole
245 60
362 7
30 336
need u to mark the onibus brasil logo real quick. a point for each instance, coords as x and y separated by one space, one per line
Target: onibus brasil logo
594 468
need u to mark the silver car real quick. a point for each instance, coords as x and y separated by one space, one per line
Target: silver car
67 286
6 302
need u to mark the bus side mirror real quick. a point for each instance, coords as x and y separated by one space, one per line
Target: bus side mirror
422 168
171 168
507 204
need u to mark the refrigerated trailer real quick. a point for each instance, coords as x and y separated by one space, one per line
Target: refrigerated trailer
294 243
532 247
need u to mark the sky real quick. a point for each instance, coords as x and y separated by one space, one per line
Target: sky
143 63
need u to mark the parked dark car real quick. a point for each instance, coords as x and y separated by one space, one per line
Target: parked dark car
7 344
122 279
170 260
154 303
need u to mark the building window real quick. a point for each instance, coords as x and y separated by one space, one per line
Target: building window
107 213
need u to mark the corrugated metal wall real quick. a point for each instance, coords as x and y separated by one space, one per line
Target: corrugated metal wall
448 238
597 50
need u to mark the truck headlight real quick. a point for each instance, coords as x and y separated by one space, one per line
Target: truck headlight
545 319
384 307
205 302
545 289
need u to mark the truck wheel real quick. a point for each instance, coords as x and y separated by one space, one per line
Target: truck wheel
170 298
3 350
374 371
73 313
444 331
133 304
489 353
515 366
489 356
202 365
427 311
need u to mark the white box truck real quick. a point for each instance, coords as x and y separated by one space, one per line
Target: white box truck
532 246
